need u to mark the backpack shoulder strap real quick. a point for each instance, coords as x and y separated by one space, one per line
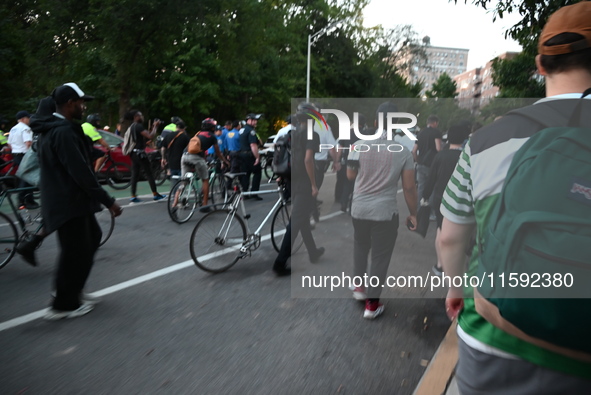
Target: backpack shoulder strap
172 141
131 131
543 114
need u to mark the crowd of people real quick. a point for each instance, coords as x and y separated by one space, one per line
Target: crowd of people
460 180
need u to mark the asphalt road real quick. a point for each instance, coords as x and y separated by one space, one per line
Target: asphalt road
166 327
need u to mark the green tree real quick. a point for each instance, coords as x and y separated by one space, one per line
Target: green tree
444 87
534 14
220 58
517 77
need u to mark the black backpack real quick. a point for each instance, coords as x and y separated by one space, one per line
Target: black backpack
282 156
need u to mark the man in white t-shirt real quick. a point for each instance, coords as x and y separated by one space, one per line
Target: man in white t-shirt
20 137
20 140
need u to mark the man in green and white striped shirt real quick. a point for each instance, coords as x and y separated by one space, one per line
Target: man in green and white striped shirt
491 360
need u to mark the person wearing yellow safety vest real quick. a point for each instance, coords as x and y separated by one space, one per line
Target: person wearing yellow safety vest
3 140
89 127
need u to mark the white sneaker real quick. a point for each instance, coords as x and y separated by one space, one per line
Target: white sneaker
84 298
89 299
372 310
54 315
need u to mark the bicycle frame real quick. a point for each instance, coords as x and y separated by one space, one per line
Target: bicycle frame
237 203
5 195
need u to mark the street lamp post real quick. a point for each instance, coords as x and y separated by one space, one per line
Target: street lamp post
311 40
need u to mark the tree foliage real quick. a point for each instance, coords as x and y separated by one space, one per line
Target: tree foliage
444 87
534 14
516 77
220 58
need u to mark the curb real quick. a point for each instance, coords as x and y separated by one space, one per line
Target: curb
438 379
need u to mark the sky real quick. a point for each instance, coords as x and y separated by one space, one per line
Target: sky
448 25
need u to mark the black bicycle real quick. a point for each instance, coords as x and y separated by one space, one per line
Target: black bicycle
30 221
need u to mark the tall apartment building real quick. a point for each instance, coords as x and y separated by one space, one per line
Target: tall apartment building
439 60
475 87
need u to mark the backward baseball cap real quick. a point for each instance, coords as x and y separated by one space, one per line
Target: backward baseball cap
574 18
69 91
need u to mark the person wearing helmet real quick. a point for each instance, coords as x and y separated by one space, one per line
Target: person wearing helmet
189 161
249 155
302 188
93 121
321 162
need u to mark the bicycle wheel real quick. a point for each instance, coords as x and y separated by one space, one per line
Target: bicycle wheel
106 222
218 190
278 225
119 175
159 173
186 198
8 239
216 241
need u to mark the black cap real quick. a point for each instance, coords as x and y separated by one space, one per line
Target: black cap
69 91
254 116
22 114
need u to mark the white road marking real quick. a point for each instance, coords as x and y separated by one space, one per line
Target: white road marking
138 280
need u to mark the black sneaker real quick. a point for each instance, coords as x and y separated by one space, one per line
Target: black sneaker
206 209
32 205
281 270
316 255
26 249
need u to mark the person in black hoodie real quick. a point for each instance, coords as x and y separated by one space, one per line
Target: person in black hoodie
70 196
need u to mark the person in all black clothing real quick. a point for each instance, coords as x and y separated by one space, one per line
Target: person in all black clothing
303 193
139 158
70 196
442 168
429 142
344 186
173 146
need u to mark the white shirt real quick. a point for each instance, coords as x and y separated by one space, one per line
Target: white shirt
405 141
281 132
326 137
20 134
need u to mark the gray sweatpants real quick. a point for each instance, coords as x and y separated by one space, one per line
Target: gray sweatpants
479 373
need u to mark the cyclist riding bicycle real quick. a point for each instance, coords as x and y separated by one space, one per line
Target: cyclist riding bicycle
190 160
90 129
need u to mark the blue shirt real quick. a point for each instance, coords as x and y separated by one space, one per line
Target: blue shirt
221 142
233 140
